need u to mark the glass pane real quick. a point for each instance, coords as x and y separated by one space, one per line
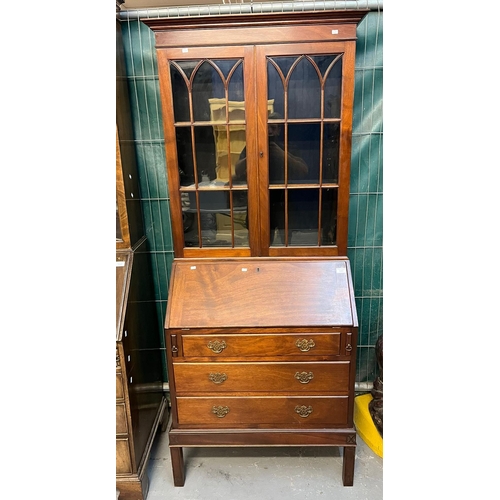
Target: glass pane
277 217
333 90
206 162
303 208
303 153
275 89
190 219
229 153
180 90
304 91
331 152
207 84
236 88
185 155
239 220
329 216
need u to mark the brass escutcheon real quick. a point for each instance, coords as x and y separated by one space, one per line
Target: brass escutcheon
303 411
217 378
304 377
217 346
305 345
220 411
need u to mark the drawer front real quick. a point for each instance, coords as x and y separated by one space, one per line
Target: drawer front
121 419
329 376
119 387
226 412
123 459
227 345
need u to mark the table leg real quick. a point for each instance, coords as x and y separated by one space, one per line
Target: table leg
177 465
348 465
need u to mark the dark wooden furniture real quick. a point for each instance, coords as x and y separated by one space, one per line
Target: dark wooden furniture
140 403
261 353
261 323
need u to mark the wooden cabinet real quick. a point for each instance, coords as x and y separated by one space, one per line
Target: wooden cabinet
140 403
257 113
261 325
261 352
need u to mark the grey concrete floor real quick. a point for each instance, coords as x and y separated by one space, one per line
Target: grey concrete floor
264 473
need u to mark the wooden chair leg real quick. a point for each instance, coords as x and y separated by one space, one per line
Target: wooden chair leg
177 465
348 465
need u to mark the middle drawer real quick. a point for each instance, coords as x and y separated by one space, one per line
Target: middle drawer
321 376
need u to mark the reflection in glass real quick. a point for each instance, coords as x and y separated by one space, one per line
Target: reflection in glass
301 206
228 153
207 80
207 83
215 216
206 162
297 167
304 142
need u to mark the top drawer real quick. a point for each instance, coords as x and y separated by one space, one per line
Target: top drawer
277 344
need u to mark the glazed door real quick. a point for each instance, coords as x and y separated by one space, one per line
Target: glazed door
258 148
208 125
305 150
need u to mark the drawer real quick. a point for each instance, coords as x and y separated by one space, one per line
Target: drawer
121 419
123 458
258 412
228 345
119 387
329 376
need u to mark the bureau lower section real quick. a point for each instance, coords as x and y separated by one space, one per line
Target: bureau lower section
278 370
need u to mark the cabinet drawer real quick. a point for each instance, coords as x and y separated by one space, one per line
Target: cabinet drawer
121 419
119 387
315 344
123 459
259 412
328 376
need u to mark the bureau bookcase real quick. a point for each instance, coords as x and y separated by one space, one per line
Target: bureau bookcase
261 325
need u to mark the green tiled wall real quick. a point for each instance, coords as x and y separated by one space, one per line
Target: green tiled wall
365 212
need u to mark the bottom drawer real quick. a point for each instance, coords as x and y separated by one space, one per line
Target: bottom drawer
261 411
123 459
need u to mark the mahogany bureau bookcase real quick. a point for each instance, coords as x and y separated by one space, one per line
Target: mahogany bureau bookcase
261 324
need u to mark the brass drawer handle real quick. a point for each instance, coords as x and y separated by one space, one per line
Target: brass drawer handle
217 346
304 377
305 345
220 411
217 378
303 411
